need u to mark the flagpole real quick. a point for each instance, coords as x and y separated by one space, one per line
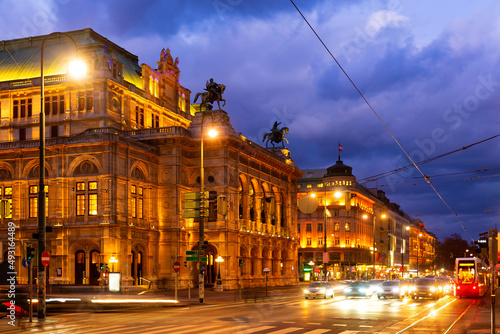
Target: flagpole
339 151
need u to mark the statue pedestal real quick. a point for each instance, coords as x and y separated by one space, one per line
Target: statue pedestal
281 151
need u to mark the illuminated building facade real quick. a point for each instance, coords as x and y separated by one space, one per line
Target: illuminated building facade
122 149
359 233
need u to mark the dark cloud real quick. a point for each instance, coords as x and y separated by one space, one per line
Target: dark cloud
433 80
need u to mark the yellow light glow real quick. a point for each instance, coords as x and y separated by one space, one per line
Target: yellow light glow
337 194
313 195
77 68
113 260
383 216
365 216
138 301
212 133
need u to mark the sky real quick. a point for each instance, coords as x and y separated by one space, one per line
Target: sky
430 72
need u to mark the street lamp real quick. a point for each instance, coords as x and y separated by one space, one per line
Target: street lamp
201 244
219 260
42 238
113 260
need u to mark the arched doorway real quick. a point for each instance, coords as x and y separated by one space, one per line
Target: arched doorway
210 273
79 266
137 269
95 257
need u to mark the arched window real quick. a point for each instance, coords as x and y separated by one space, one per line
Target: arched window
251 201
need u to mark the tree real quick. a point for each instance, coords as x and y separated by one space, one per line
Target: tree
451 248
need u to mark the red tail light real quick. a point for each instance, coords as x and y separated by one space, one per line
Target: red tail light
474 287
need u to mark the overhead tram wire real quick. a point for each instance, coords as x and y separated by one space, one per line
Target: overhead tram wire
395 171
426 177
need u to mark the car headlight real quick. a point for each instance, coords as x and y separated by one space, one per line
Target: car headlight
306 291
347 290
433 288
379 290
362 290
322 290
395 290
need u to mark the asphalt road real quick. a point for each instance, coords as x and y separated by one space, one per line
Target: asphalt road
292 314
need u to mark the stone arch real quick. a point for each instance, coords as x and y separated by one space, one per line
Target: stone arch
139 171
31 170
80 160
255 261
195 177
6 171
80 263
137 260
276 262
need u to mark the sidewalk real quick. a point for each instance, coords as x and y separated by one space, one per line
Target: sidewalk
480 323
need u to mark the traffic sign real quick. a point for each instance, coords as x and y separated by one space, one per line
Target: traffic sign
177 266
192 252
26 263
266 270
45 258
195 258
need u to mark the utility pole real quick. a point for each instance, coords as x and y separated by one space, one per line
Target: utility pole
493 262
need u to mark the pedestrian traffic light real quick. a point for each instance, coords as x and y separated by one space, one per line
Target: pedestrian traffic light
240 262
5 208
222 205
30 253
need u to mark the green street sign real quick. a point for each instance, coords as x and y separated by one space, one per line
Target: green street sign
195 258
191 252
307 269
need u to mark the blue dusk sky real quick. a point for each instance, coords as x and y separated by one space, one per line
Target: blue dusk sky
429 69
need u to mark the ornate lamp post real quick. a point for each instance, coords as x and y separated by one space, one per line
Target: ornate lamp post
42 238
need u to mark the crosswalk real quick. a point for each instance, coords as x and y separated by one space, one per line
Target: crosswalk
218 328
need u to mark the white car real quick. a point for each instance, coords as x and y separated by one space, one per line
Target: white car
319 289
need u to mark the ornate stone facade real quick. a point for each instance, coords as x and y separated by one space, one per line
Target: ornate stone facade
122 148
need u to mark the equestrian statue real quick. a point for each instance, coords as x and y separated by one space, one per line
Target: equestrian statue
213 93
276 135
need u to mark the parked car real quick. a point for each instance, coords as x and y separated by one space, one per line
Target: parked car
358 289
319 289
426 288
391 289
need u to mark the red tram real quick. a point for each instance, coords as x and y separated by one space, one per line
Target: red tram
472 277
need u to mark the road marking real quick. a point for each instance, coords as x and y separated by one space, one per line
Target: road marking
287 330
256 329
317 331
288 322
349 332
343 325
365 326
314 323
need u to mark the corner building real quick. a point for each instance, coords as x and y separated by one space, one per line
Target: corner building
122 149
347 231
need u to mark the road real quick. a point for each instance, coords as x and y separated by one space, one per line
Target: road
277 316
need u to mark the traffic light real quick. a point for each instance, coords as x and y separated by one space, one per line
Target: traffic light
240 262
222 205
101 266
185 264
30 253
5 208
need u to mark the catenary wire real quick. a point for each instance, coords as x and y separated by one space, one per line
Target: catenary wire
381 121
395 171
